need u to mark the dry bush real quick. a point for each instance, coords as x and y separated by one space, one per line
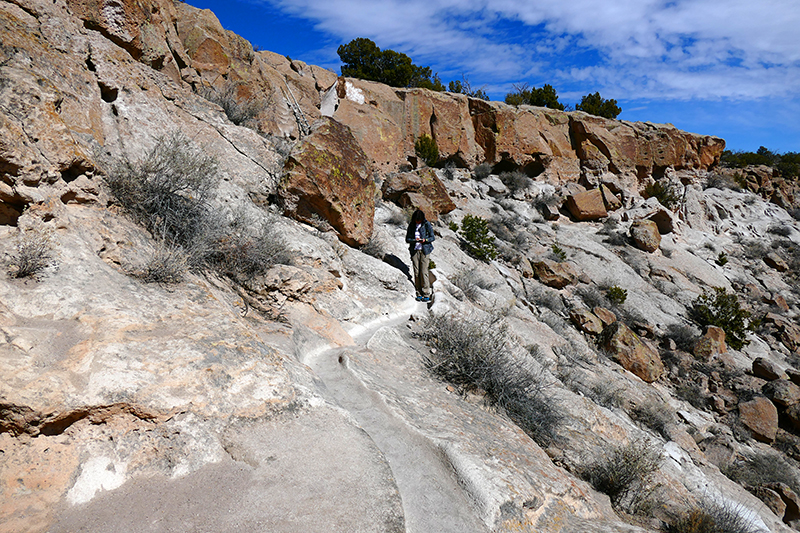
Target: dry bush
761 468
516 180
240 111
247 247
164 263
624 473
168 190
654 415
712 517
482 171
475 354
469 281
34 251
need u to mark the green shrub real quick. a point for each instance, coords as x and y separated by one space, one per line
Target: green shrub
722 259
624 473
663 193
718 308
475 354
477 240
426 149
431 265
545 96
558 253
616 295
33 252
452 226
596 105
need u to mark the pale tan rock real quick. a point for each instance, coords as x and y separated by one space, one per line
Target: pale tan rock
606 317
610 199
645 235
419 189
775 261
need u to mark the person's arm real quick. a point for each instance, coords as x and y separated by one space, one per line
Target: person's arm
429 228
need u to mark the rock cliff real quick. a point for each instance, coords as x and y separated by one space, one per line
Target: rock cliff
307 394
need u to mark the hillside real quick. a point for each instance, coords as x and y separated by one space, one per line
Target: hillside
208 322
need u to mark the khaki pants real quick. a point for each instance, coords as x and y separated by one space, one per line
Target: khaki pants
420 263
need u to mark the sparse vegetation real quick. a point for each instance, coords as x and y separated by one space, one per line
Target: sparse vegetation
545 96
477 240
558 253
654 415
515 181
762 468
722 259
241 110
168 192
665 194
625 473
164 263
426 149
616 295
683 336
712 517
475 354
718 308
482 171
34 251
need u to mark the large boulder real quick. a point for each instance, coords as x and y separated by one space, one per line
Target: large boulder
645 235
710 344
760 416
419 189
631 352
587 205
328 176
554 274
782 392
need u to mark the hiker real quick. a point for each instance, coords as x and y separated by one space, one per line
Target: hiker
419 237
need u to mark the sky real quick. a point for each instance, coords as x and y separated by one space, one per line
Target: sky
729 68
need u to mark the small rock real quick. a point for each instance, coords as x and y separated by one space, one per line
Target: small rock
553 274
782 392
794 375
606 317
710 344
771 499
766 369
586 321
629 351
775 261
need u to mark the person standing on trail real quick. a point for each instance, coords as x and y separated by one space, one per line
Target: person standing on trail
419 237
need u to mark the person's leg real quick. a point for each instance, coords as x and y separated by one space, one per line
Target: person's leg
416 264
423 274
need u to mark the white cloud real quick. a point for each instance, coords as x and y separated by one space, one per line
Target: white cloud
677 49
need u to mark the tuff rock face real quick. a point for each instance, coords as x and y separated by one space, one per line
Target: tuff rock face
302 390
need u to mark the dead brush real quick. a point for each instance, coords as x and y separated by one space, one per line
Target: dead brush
34 251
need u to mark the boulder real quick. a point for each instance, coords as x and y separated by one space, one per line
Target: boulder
606 317
419 189
790 500
645 235
554 274
328 175
651 209
611 201
766 369
586 321
631 352
587 205
710 344
782 392
760 416
775 261
771 499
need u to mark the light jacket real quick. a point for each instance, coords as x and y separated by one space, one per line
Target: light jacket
425 233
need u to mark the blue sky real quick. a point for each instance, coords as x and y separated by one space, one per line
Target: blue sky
729 68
